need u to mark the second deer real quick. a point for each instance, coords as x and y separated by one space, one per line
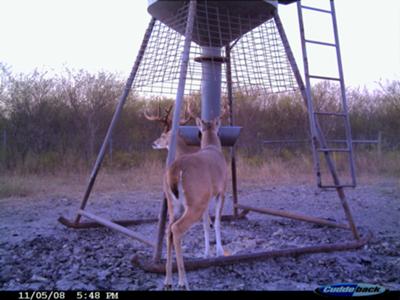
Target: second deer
163 141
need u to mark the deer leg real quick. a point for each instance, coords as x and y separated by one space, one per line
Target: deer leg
217 224
206 227
169 238
168 266
178 229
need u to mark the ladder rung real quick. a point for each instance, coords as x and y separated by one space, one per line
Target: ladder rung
316 9
336 186
325 113
333 150
324 77
320 43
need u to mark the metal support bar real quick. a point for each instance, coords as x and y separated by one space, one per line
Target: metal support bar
316 9
324 77
320 43
303 89
343 90
323 186
194 264
231 122
333 149
116 116
295 216
324 113
175 121
86 225
115 227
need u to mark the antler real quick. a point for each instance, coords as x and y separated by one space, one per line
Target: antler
187 114
165 120
153 118
225 110
189 110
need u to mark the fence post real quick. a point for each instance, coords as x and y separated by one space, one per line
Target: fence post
4 149
379 148
110 144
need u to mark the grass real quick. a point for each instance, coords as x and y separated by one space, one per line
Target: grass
257 170
14 186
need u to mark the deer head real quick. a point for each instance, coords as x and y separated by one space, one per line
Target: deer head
166 121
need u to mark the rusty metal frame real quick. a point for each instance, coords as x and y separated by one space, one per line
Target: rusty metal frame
195 264
132 222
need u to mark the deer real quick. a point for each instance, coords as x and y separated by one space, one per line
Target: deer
163 141
202 176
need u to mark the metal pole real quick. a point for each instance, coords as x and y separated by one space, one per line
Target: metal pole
379 142
175 121
195 264
4 148
116 116
343 93
231 122
116 227
294 216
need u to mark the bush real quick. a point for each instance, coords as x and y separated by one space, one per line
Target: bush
47 123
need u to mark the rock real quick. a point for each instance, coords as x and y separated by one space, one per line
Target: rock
38 278
65 285
365 260
6 273
103 274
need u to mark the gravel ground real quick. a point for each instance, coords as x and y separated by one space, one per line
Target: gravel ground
37 252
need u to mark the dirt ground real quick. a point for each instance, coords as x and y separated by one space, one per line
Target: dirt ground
37 252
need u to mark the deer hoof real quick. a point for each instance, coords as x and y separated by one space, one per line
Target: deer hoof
183 287
167 287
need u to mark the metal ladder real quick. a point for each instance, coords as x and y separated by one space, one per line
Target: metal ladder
319 142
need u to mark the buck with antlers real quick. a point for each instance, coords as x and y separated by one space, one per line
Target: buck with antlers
163 141
203 176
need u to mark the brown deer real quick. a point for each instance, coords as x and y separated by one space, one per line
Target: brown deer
163 141
203 176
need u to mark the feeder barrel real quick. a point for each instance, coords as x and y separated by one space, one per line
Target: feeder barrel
211 84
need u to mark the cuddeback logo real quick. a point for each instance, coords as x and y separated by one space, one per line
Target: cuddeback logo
350 290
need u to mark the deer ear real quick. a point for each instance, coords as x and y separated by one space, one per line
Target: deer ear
199 123
217 122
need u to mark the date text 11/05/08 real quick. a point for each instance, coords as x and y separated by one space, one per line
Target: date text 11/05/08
60 295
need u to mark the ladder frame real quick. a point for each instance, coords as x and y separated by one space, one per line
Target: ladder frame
318 140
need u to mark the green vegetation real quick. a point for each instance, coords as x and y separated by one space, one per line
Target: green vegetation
48 124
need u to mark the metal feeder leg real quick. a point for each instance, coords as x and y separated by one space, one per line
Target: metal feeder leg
175 122
114 120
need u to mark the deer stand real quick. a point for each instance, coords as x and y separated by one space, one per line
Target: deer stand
201 22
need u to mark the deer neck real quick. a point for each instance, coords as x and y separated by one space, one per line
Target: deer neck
182 147
210 139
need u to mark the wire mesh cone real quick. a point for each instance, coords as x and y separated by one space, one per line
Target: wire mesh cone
258 59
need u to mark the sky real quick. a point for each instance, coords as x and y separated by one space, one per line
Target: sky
105 35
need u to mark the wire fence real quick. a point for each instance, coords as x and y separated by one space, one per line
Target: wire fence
295 143
258 59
